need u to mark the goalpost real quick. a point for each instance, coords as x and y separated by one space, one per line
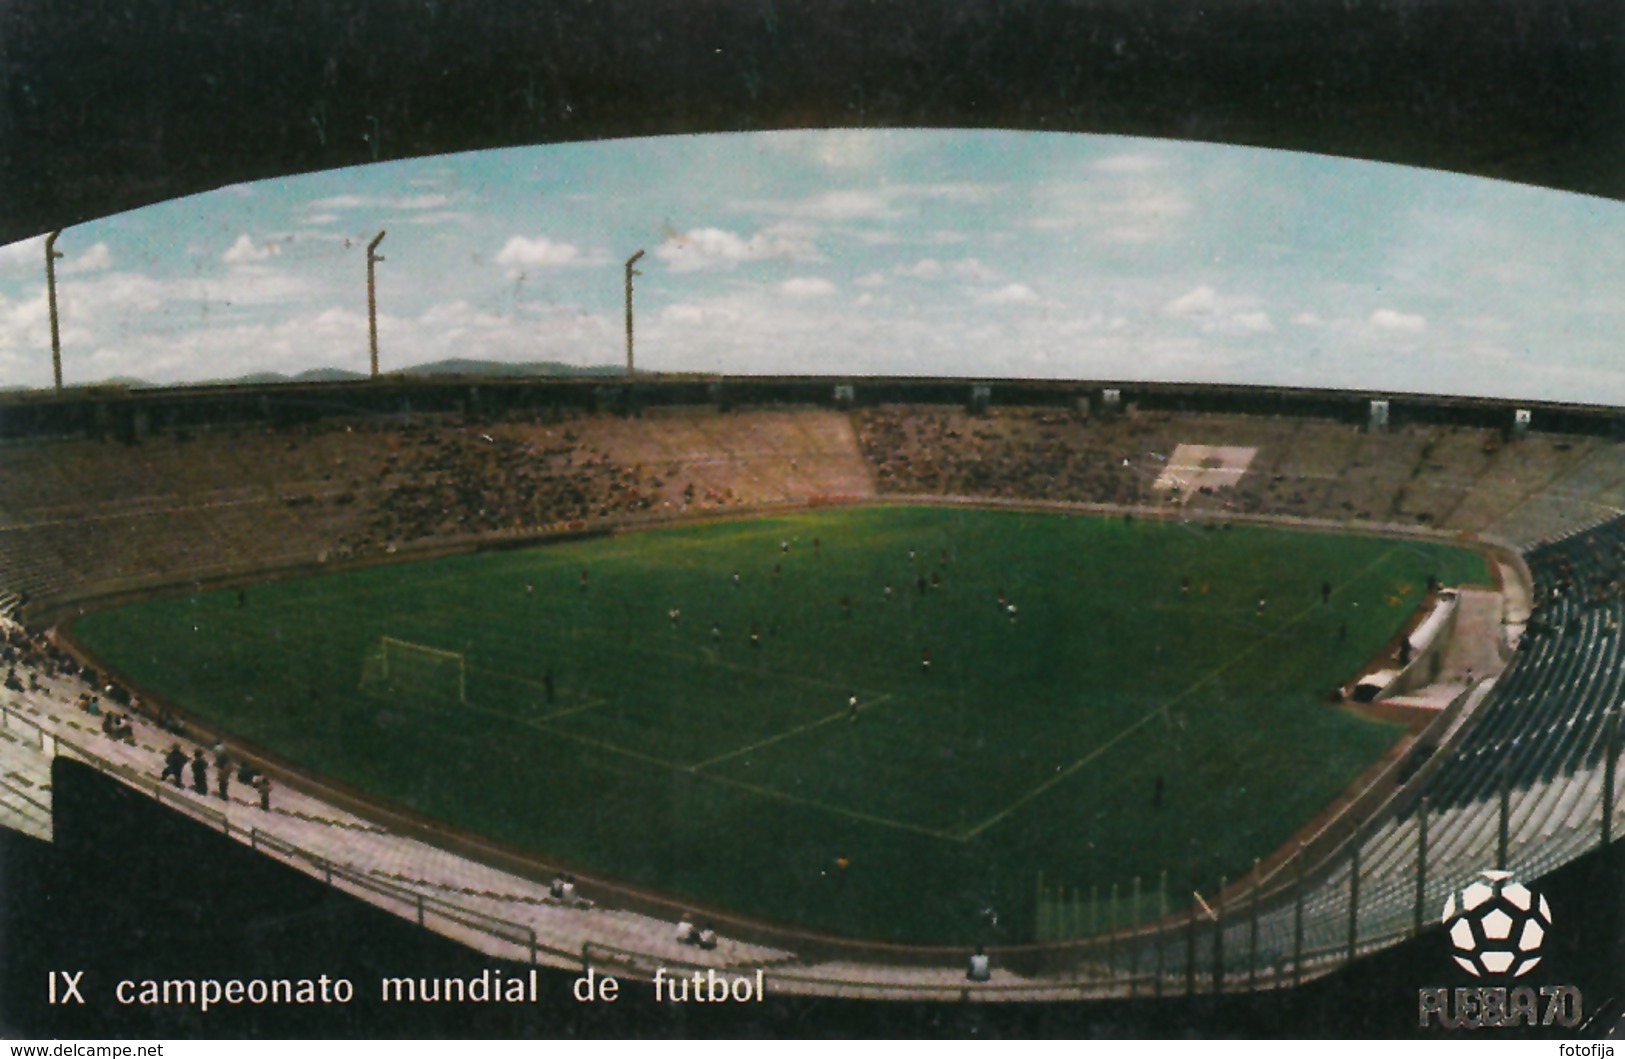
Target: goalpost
401 668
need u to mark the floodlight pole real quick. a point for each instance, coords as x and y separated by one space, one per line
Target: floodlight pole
630 272
51 254
373 257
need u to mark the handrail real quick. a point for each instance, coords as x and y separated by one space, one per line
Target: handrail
25 796
519 934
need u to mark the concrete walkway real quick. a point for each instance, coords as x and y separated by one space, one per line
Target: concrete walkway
485 908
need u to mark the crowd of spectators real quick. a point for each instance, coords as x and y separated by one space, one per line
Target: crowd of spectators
1024 453
31 657
84 513
1417 474
458 481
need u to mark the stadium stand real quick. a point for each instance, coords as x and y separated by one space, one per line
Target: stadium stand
82 516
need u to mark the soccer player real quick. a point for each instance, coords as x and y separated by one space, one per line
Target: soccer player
736 578
784 546
675 615
583 580
887 593
716 632
852 708
1011 611
755 635
925 661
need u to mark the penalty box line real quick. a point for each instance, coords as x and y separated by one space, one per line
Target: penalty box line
790 733
1162 708
765 792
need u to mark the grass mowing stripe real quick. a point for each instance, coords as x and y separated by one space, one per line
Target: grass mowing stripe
1166 706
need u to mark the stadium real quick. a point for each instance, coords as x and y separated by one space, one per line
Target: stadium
794 663
228 493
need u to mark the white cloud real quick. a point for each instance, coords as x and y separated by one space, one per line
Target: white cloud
24 255
693 313
807 287
972 271
1130 164
441 217
95 259
1132 211
884 202
1199 302
1308 320
245 251
1394 320
701 249
926 268
384 202
849 204
1256 320
833 149
1013 294
110 293
1218 314
871 279
541 252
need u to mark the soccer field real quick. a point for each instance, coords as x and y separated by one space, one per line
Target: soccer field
553 700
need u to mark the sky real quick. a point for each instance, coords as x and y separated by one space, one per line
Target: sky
891 252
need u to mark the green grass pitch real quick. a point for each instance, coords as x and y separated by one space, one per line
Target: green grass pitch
681 756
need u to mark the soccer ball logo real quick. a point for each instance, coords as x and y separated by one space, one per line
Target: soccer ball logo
1496 925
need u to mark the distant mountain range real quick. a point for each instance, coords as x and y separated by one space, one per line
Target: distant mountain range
456 366
460 366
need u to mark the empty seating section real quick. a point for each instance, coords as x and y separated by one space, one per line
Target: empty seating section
1589 488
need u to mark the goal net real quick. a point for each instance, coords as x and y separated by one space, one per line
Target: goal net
414 672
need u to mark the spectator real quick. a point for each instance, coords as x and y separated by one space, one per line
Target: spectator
174 765
200 773
979 970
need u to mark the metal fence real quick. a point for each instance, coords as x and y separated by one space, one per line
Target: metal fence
1382 884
